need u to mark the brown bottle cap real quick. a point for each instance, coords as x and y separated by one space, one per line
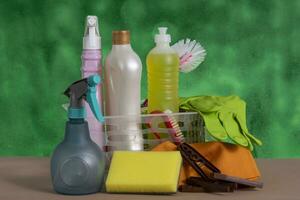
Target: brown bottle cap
121 37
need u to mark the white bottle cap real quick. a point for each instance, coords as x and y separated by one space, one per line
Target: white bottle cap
162 36
91 39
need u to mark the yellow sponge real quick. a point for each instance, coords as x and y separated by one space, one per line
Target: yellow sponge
144 172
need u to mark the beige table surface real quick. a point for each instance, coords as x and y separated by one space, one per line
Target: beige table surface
28 178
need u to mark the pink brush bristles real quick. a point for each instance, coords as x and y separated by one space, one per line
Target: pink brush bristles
172 126
174 129
191 54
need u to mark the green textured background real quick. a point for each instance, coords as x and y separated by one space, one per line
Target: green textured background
253 51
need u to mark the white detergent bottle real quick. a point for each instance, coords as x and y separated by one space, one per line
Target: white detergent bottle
123 72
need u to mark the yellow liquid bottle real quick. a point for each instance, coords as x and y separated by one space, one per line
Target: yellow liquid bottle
162 74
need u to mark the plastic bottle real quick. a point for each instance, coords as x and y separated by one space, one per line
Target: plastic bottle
91 64
77 163
163 73
123 71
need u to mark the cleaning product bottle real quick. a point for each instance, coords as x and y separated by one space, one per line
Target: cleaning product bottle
91 64
78 164
123 70
163 73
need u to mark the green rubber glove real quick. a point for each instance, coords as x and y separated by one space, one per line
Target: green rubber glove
239 108
207 107
224 117
227 116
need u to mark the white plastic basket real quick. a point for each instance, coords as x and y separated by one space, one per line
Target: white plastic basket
143 132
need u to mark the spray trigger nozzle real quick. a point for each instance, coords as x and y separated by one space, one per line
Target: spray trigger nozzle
93 81
84 89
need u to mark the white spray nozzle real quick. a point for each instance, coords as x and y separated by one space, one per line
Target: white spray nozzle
91 21
162 37
91 39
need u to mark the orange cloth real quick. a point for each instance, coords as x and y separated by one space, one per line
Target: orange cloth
232 160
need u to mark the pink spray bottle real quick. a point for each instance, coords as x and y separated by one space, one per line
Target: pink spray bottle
91 65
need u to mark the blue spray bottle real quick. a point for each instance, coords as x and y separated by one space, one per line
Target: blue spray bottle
78 164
